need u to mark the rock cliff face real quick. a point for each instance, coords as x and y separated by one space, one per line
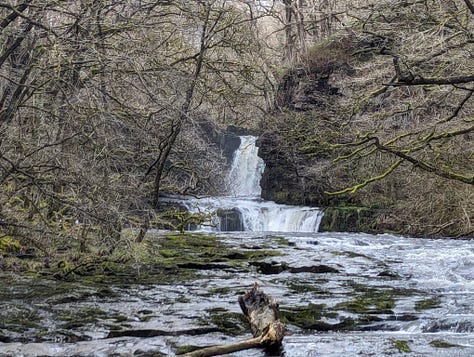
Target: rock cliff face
307 115
227 141
319 150
283 180
303 90
291 176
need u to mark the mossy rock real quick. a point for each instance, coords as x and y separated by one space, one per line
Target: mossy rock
401 345
229 323
303 316
349 219
431 303
369 301
443 344
300 287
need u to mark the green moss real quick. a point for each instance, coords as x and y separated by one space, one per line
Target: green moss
282 241
229 323
168 253
431 303
9 245
401 346
349 219
442 344
303 316
219 291
302 288
350 254
88 316
157 259
253 255
369 301
182 350
18 318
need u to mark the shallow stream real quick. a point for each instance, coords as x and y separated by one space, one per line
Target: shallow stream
339 293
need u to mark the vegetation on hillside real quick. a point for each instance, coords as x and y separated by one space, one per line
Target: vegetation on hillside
384 115
101 104
100 110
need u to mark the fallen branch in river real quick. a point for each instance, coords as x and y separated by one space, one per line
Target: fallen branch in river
262 314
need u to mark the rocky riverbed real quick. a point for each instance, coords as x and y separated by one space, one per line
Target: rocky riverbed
338 293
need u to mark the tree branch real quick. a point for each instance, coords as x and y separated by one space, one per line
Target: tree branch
470 5
434 81
424 165
354 189
13 15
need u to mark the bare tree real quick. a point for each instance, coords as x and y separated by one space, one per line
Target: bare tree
100 103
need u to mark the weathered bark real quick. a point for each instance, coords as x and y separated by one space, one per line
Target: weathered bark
262 314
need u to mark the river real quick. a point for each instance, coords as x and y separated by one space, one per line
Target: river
387 295
339 293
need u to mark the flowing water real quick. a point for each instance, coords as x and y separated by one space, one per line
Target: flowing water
339 294
243 209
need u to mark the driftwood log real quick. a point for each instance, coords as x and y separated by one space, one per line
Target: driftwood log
262 314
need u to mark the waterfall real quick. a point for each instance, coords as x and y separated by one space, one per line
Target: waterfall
246 170
242 209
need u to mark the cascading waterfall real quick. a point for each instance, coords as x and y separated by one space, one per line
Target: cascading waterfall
242 209
246 171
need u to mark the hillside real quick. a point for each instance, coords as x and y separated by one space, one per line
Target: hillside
377 120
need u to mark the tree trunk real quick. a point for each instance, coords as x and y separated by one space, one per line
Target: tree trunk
184 114
262 314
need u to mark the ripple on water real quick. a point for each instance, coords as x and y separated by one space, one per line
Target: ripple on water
389 293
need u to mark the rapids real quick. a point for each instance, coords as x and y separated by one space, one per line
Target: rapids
388 294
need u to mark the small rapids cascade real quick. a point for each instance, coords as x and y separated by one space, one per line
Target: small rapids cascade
242 208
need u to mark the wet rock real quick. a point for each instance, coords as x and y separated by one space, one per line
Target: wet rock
277 268
230 220
389 274
318 269
202 266
228 141
154 333
270 268
451 324
236 256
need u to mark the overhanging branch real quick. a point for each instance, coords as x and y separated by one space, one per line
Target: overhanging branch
408 78
469 5
434 81
354 189
424 165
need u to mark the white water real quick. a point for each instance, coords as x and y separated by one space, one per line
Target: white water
246 171
243 200
420 270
